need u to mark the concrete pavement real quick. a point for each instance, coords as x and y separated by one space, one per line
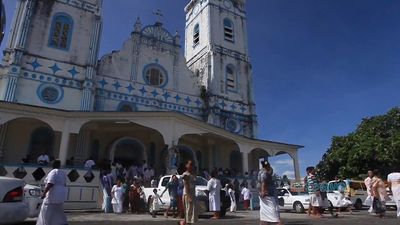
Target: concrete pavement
240 218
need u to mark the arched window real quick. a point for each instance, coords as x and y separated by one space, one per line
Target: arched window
196 35
228 30
126 107
231 79
61 31
155 75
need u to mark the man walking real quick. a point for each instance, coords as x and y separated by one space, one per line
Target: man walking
394 182
172 188
370 197
314 191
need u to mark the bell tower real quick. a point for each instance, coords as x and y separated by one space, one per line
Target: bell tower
216 50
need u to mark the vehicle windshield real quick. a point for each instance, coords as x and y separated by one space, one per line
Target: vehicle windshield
299 193
200 181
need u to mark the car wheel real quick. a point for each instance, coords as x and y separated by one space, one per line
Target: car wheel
298 207
358 205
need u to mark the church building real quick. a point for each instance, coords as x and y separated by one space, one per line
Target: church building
149 101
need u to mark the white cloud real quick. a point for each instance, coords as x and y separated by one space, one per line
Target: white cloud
288 162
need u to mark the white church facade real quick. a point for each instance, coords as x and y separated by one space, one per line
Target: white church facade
58 96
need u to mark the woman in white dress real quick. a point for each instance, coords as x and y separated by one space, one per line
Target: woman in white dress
269 209
214 188
117 194
231 194
54 195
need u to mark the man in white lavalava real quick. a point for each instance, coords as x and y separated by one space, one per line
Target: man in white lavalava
394 180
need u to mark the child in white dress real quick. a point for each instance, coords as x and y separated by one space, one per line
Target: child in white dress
117 194
155 203
231 194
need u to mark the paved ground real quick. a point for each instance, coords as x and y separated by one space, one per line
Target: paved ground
241 218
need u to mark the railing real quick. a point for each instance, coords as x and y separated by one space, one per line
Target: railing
83 186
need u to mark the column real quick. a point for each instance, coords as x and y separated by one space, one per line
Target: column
64 144
245 158
296 165
3 131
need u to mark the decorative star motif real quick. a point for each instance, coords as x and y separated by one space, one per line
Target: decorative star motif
116 85
143 91
73 72
198 102
55 68
222 104
130 88
166 95
187 99
177 98
233 107
35 64
154 93
103 83
242 108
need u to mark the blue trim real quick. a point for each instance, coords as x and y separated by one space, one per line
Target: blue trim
43 86
158 66
235 90
64 19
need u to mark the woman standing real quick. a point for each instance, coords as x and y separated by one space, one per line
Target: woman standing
231 194
379 193
269 210
117 194
189 195
134 197
214 188
54 195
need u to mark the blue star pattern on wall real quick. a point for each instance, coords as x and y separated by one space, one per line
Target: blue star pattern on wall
222 104
55 68
130 88
198 102
177 98
103 83
243 109
166 95
143 91
187 99
233 107
116 85
154 93
73 72
35 64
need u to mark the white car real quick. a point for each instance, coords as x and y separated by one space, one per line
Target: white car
293 200
13 209
32 197
201 186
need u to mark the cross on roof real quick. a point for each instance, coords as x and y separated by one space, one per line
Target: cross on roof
159 14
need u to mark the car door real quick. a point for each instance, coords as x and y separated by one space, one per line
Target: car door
283 199
163 184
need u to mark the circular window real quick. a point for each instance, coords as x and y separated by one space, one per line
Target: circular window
155 75
233 126
50 94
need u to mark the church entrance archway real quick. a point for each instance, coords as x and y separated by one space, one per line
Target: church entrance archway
128 151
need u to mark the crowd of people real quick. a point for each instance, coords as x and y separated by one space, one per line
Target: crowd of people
123 193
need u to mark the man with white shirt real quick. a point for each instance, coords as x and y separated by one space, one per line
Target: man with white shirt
89 164
368 184
43 159
394 182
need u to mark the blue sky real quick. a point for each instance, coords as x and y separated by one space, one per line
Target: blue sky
319 65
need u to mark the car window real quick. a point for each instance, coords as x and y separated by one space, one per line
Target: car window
165 181
200 181
299 193
281 192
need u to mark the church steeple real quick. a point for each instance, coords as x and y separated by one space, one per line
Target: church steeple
216 50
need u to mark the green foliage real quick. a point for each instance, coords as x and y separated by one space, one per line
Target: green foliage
375 144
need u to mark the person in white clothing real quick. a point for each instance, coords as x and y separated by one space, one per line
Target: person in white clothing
394 181
43 159
54 195
370 198
89 164
231 194
214 188
246 197
117 194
